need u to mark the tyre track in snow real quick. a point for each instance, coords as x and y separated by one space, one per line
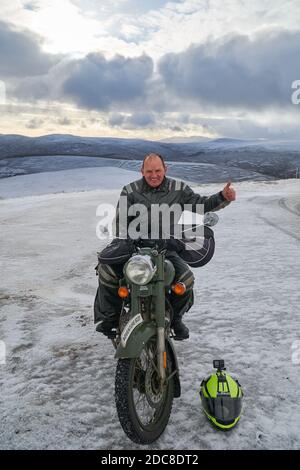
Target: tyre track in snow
278 227
283 205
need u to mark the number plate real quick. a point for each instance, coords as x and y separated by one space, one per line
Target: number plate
131 325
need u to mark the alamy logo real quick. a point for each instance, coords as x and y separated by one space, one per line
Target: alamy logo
296 352
296 94
138 222
2 353
2 92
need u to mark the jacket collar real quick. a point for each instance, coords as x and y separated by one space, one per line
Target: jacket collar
146 188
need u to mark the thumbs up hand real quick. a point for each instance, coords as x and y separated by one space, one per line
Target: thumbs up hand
228 192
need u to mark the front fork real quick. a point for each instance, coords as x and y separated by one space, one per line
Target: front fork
159 310
160 314
161 352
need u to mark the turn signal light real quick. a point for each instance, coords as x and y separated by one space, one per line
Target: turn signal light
165 359
179 288
123 292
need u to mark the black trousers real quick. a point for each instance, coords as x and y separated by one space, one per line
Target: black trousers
107 304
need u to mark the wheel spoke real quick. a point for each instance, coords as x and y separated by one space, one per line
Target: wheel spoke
143 405
148 402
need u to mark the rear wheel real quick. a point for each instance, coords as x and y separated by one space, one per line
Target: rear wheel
143 404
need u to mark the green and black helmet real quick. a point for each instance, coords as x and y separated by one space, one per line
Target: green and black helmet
221 397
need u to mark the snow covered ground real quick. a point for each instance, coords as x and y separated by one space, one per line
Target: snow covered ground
77 179
57 385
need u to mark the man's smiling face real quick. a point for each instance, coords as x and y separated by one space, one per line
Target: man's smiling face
153 170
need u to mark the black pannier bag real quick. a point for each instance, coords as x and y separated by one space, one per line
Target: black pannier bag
197 251
117 252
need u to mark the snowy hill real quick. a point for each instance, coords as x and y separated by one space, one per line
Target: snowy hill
230 158
57 385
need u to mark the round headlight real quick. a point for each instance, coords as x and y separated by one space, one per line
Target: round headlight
140 270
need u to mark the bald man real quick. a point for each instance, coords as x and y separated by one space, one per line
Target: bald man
153 188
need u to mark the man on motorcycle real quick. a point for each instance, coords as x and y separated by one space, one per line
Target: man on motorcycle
153 188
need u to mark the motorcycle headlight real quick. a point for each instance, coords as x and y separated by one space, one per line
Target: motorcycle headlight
140 270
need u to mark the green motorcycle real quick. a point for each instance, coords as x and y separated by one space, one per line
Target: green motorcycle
147 375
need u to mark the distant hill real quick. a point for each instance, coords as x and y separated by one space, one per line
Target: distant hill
219 158
185 140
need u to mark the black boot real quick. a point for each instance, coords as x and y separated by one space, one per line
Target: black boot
180 330
108 328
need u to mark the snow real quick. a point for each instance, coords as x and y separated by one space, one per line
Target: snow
77 179
57 385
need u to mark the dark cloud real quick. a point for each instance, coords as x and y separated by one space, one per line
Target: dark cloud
31 89
116 119
43 87
240 72
176 129
21 54
97 83
139 119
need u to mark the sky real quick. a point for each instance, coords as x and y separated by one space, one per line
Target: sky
150 69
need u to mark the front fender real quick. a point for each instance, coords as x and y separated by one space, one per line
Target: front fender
134 346
136 341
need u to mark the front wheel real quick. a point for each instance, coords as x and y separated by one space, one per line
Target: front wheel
143 404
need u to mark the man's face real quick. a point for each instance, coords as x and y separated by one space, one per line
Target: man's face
153 171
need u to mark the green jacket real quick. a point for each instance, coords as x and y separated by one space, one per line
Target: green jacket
170 192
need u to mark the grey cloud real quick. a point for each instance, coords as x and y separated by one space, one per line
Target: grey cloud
93 82
30 89
43 87
176 129
141 119
133 121
239 72
116 119
238 128
31 6
34 123
65 121
21 54
97 83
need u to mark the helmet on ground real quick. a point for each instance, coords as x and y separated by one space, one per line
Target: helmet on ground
221 398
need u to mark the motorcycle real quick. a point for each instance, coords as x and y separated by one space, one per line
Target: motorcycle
147 374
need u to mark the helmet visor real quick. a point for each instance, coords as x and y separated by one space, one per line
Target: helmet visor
224 409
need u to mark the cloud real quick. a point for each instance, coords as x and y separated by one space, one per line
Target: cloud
141 119
31 6
64 121
21 53
34 123
116 119
222 78
97 83
238 72
135 120
47 87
